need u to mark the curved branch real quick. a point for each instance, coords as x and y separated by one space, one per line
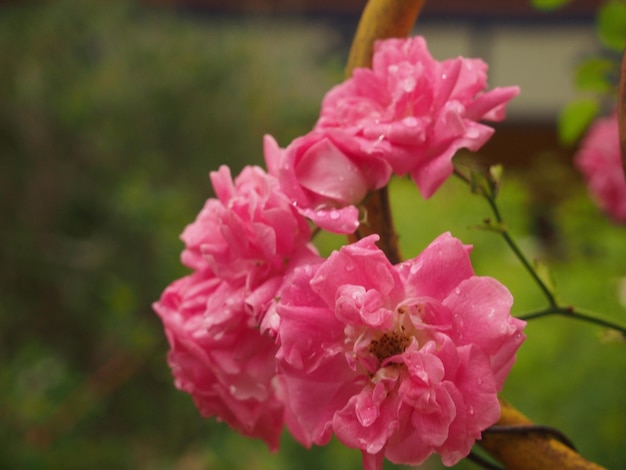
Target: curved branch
530 450
380 19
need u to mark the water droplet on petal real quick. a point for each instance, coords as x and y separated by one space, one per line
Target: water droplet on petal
470 410
334 214
457 291
408 85
472 134
410 121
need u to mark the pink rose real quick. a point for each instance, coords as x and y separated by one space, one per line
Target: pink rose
248 234
219 357
418 111
600 161
242 246
326 173
397 361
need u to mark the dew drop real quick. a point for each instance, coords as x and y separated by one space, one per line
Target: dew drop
349 267
472 134
408 85
334 214
479 381
457 291
410 121
470 410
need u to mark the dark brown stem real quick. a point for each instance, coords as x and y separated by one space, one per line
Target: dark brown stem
380 19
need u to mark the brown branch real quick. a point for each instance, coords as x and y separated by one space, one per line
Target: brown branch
533 450
380 19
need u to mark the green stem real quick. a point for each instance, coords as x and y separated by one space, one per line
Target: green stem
491 200
554 308
531 270
577 314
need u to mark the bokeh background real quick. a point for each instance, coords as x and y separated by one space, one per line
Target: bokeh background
112 114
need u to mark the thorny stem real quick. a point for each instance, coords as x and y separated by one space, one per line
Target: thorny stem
554 307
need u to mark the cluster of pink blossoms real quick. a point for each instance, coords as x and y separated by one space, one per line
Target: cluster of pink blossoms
600 161
398 361
407 114
240 247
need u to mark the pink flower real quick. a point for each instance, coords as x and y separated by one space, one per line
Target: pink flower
397 361
422 109
326 173
219 357
248 234
600 161
242 246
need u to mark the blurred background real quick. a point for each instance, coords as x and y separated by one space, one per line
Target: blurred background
113 113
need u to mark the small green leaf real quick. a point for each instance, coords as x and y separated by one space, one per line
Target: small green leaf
594 75
575 118
495 174
489 225
549 4
479 182
611 24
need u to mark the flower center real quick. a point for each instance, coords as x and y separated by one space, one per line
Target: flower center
389 344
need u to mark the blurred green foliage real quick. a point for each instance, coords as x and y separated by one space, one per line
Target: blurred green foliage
111 117
596 76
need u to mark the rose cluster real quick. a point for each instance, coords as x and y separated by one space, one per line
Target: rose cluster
398 361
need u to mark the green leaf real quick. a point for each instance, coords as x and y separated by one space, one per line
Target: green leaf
495 175
574 119
611 24
490 225
549 4
479 183
593 75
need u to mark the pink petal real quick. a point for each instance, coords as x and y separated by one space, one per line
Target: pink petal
438 269
483 305
325 170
